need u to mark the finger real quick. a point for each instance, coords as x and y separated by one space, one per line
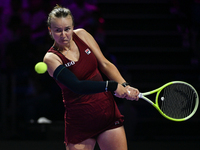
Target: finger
137 98
120 96
133 98
129 98
124 95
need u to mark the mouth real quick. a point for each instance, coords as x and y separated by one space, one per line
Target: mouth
64 40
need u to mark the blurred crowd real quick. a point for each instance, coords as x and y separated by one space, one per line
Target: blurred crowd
187 13
24 40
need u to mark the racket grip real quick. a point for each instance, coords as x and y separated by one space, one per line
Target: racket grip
140 95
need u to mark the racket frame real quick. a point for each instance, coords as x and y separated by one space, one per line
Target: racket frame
158 90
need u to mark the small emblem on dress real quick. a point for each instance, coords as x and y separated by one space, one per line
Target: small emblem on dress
87 51
116 122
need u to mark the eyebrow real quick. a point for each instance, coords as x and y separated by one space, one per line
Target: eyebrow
65 27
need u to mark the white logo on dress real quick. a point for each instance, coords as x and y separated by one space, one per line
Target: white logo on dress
70 64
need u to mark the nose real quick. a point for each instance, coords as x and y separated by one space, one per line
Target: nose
62 34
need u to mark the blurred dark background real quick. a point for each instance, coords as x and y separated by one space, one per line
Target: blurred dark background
150 41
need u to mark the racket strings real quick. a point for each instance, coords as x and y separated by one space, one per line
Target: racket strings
177 100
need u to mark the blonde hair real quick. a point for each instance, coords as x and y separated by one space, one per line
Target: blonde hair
59 11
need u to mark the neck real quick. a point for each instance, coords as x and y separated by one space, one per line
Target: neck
61 48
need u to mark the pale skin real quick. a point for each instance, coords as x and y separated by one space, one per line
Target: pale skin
61 30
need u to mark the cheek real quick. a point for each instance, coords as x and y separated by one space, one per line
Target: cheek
55 36
69 35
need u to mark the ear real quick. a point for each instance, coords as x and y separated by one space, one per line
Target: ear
49 30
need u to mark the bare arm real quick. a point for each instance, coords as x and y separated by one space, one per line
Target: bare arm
108 68
105 66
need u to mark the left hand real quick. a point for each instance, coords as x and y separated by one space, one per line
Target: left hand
132 93
120 92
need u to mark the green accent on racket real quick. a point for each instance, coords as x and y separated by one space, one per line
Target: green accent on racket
176 100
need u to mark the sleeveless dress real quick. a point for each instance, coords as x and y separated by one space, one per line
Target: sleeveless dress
86 116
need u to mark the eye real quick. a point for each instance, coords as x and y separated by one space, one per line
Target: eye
58 30
67 29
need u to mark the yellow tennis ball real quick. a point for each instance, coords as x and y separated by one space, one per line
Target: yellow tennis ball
41 67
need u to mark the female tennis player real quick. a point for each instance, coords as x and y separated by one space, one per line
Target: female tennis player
91 114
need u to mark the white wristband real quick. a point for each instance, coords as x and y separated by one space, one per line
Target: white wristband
106 88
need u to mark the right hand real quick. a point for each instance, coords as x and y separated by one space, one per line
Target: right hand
132 93
120 92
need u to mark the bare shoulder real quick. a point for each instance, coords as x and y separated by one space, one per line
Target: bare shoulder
80 32
85 36
48 57
52 61
51 57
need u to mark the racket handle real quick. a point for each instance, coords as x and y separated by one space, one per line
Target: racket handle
140 95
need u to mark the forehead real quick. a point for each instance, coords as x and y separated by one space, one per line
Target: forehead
62 21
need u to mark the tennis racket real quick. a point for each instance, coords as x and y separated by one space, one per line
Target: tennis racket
176 100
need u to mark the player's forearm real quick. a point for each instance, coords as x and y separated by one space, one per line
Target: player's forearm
111 71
